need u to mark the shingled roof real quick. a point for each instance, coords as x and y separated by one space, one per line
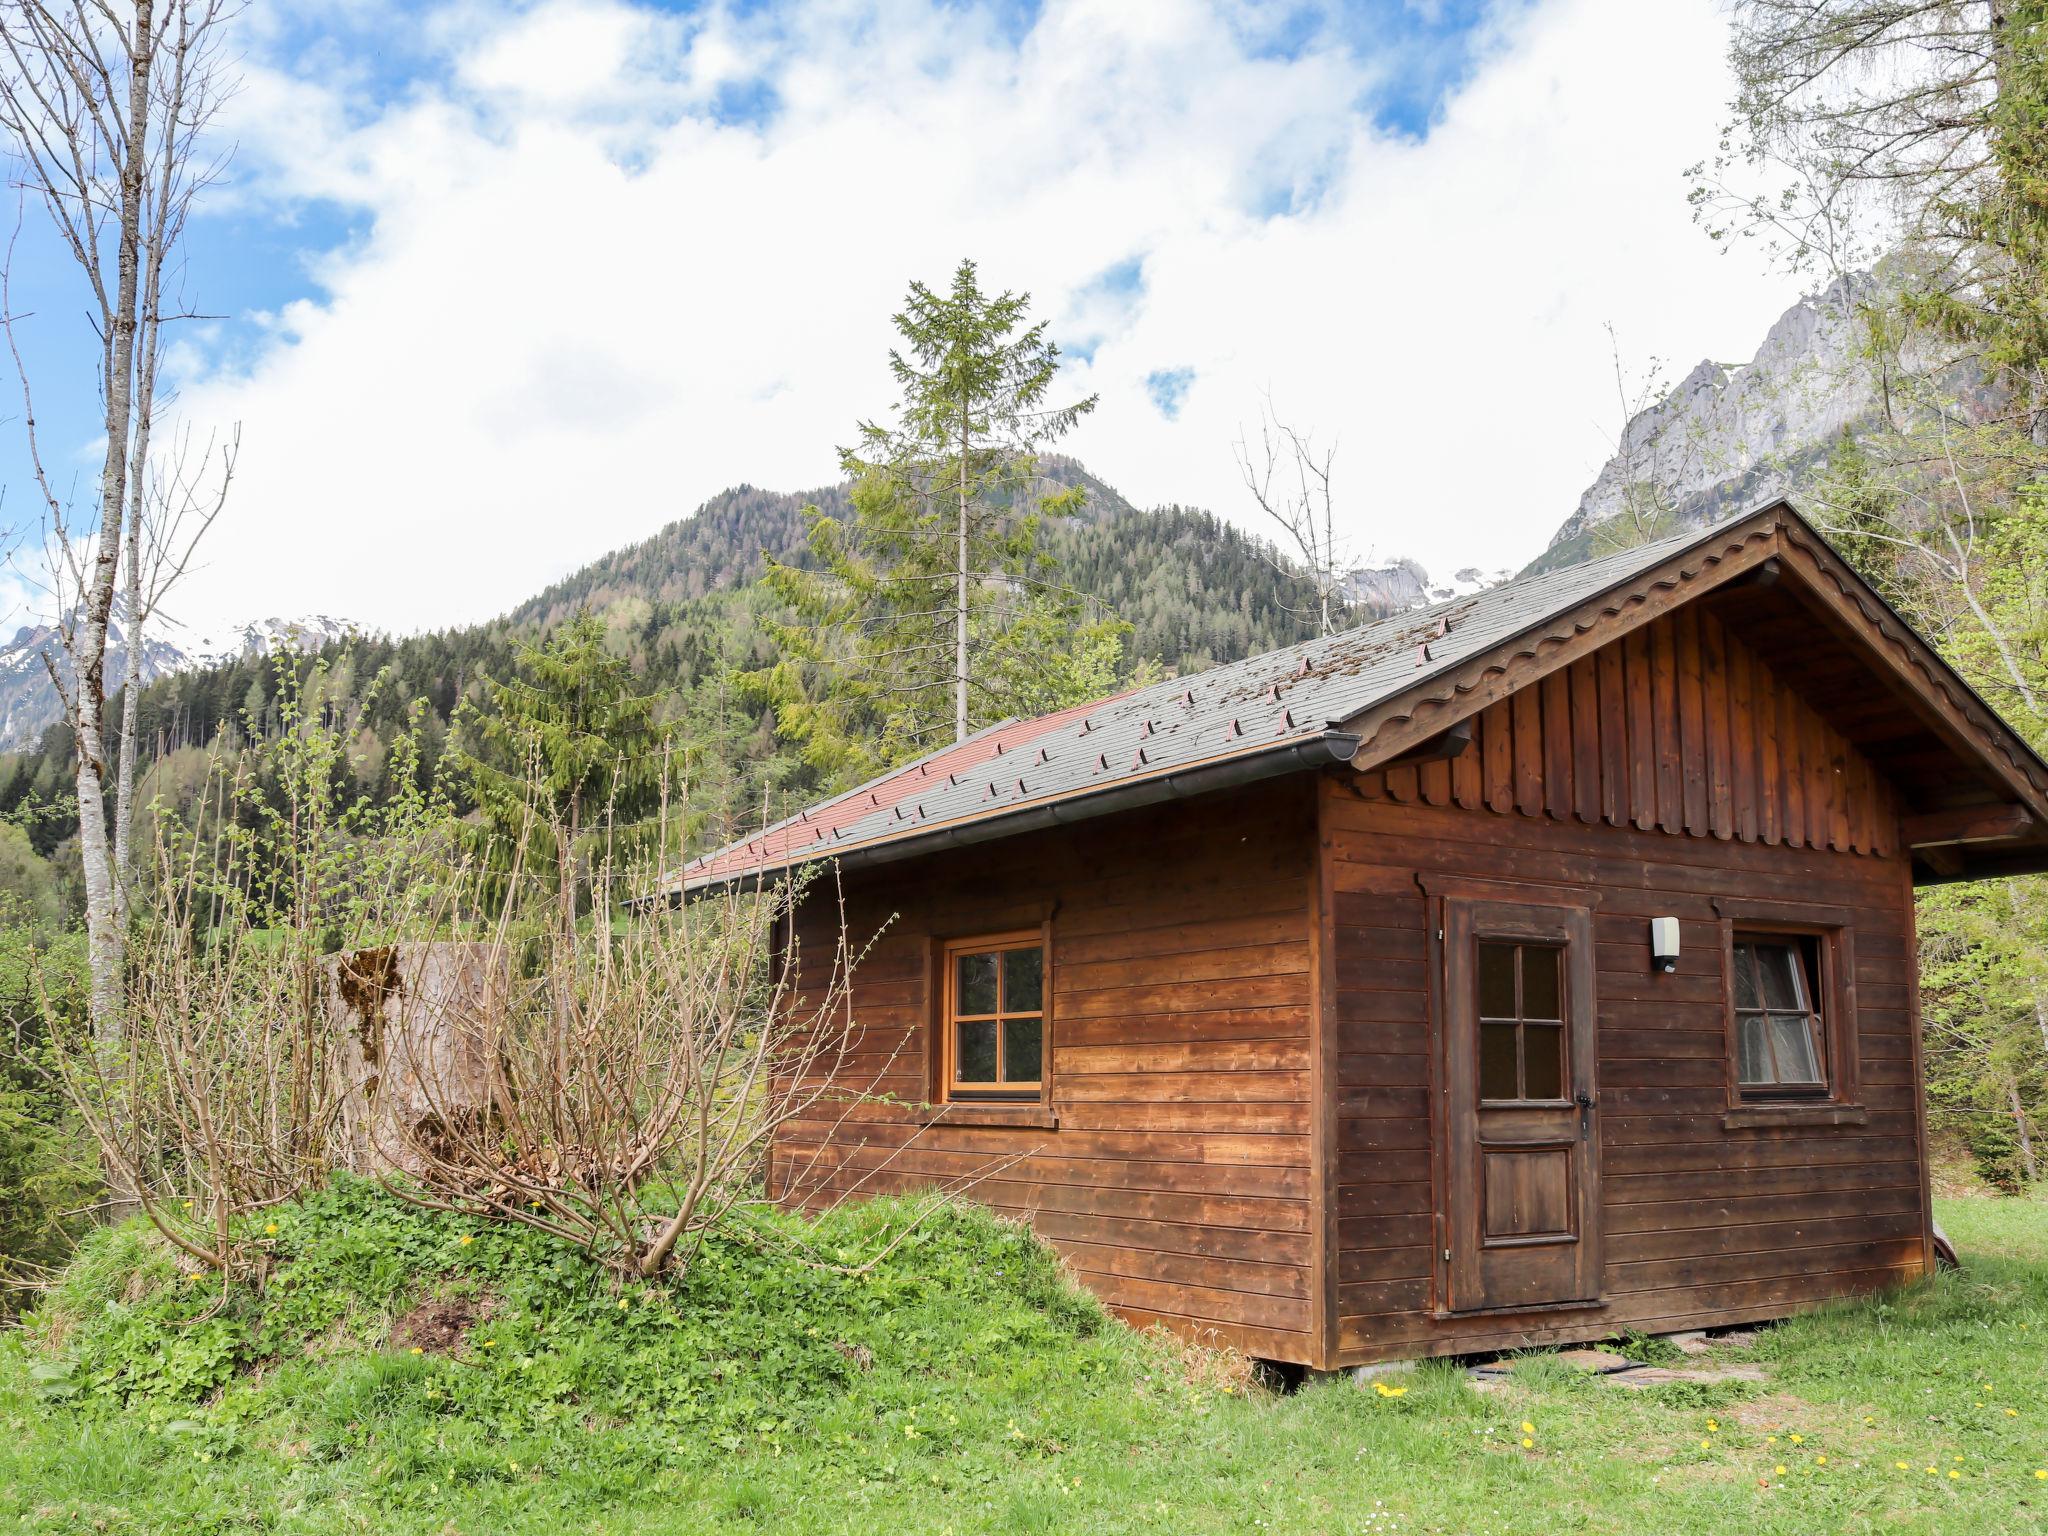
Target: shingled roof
1268 714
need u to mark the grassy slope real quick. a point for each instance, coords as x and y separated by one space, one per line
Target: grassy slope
994 1401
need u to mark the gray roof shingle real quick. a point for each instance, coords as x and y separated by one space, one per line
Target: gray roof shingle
1291 696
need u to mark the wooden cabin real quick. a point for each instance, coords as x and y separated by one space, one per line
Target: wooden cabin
1530 968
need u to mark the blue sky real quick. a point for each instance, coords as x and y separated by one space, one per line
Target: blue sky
501 286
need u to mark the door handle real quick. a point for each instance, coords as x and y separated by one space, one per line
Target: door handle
1585 1103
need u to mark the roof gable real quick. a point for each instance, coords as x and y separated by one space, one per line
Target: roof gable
1364 696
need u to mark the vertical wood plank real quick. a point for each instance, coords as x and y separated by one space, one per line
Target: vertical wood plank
1642 734
1371 786
1557 744
1497 741
1528 752
1613 688
1585 690
1467 777
1792 742
1720 753
1403 787
1862 791
1742 737
1435 781
1820 782
1670 739
1770 789
1692 723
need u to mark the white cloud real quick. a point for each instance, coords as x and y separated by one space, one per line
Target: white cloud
580 306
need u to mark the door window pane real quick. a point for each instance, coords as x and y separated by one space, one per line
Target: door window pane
1023 980
977 1060
977 992
1540 983
1023 1049
1496 981
1497 1069
1543 1061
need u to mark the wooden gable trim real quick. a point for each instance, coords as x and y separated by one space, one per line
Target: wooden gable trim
1399 724
1945 703
1751 754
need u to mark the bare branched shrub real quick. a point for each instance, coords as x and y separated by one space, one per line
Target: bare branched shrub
319 982
643 1068
219 1099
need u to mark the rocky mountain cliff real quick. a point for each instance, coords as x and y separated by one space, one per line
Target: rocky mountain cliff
1730 436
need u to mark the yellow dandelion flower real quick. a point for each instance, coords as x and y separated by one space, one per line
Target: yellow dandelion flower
270 1230
1706 1445
1955 1458
466 1240
1933 1471
1820 1461
417 1350
1713 1428
490 1343
1528 1444
2041 1472
1799 1439
1952 1472
1901 1466
1528 1428
2012 1413
1779 1471
513 1465
1770 1439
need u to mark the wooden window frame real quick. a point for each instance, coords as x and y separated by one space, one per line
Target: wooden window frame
1837 1102
996 1096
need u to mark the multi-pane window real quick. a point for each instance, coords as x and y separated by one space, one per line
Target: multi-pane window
1780 1034
994 1023
1521 1022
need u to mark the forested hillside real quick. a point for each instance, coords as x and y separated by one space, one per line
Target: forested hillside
684 607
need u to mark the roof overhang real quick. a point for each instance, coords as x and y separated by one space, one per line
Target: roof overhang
1330 748
2008 835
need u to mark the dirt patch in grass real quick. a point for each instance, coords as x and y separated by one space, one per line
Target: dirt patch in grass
440 1324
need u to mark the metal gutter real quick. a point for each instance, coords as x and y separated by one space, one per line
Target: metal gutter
1291 757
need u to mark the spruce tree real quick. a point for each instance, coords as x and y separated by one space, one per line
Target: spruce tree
933 610
570 766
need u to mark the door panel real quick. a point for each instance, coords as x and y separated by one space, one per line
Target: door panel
1521 1129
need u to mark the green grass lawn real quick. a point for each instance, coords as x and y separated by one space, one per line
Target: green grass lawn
959 1387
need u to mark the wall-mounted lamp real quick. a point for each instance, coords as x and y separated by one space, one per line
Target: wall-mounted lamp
1664 944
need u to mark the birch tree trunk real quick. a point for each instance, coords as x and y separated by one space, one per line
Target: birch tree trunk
105 935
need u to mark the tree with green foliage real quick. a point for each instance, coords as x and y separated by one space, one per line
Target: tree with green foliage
933 609
571 766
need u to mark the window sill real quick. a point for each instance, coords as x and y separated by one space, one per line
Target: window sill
1765 1116
1039 1117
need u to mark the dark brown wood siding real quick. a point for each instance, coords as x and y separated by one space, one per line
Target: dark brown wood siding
1661 773
1678 727
1177 1181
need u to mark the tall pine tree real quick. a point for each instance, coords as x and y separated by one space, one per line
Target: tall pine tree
933 610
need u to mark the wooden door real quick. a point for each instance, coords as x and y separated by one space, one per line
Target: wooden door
1522 1217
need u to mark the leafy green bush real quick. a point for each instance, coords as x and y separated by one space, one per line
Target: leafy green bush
375 1306
47 1172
